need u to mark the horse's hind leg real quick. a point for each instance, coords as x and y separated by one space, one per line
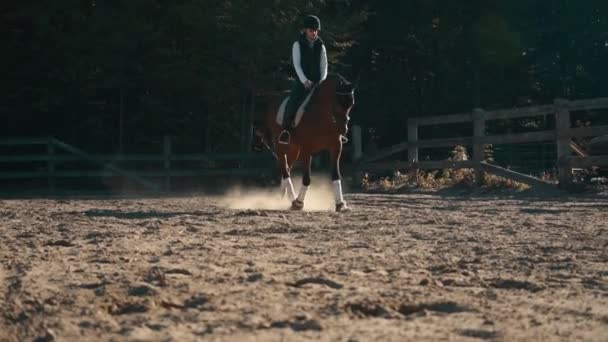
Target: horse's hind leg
335 154
286 161
298 203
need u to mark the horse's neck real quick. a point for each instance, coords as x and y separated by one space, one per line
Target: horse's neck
321 104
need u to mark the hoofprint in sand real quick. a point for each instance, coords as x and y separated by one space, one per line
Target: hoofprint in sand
244 268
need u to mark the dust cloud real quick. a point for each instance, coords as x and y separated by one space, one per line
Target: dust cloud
319 197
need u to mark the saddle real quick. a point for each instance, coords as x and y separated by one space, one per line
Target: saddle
301 109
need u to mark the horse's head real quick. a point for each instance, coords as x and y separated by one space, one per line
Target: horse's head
343 103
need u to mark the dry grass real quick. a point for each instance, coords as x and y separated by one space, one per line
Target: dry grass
439 179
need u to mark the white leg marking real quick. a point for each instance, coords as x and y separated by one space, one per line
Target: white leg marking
337 185
302 193
287 185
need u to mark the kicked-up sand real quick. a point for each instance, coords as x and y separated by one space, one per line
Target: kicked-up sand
243 267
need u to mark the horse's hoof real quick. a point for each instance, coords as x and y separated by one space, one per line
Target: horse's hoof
297 205
342 207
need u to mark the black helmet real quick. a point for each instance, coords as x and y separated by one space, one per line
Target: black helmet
313 22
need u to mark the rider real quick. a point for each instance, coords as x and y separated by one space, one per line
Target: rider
310 63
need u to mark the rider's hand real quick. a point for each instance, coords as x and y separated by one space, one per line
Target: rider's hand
308 84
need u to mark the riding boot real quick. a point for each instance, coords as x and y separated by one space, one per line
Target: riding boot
298 92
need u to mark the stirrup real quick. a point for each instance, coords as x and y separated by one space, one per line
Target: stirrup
284 137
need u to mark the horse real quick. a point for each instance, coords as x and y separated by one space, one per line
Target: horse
322 127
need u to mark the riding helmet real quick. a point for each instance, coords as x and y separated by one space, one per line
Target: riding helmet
313 22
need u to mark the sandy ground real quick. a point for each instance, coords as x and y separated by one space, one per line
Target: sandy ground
243 268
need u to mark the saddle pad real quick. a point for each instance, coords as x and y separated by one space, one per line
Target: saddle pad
300 111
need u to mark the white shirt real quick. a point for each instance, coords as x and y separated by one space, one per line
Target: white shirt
296 57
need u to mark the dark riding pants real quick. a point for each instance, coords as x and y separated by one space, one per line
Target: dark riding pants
298 93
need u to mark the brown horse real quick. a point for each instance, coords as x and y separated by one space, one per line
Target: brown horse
323 126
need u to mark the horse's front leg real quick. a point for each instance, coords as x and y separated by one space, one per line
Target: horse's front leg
298 203
286 161
335 154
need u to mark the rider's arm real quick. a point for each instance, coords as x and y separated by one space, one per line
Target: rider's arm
323 63
295 56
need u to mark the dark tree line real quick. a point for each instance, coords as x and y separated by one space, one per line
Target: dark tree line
117 75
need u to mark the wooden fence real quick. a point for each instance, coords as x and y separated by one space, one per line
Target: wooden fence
562 136
155 179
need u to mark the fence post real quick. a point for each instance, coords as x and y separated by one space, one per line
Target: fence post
479 132
412 144
167 161
412 140
357 155
50 148
563 138
357 142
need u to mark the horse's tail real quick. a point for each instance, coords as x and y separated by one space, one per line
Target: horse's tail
262 138
262 133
